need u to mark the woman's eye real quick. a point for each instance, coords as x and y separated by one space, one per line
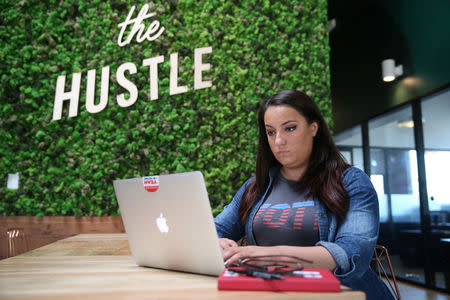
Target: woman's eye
291 128
270 132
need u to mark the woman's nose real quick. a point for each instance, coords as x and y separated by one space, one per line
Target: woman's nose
279 139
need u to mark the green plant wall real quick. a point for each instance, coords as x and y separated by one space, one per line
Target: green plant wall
67 166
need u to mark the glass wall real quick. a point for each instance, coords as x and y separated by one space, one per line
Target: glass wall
393 169
436 131
412 209
349 143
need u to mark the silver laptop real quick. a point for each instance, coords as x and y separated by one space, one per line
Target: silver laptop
169 222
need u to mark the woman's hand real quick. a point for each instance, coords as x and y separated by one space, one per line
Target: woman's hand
234 254
231 252
318 256
225 244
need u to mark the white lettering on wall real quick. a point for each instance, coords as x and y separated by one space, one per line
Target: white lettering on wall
151 34
199 67
90 91
174 88
140 32
61 96
153 64
126 84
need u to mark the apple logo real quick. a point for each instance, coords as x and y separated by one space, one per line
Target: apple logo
162 225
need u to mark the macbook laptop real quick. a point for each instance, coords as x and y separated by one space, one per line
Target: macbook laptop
169 222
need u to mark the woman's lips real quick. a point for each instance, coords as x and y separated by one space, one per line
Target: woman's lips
282 152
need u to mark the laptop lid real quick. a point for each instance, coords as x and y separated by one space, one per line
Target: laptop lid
169 222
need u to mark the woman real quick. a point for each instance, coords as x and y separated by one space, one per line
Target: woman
305 200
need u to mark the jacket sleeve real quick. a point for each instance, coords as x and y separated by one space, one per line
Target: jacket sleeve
357 234
227 222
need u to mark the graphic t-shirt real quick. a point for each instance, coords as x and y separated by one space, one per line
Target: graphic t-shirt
286 217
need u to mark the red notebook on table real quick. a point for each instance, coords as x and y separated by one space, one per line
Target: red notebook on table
309 280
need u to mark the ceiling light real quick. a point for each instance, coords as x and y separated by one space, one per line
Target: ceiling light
390 71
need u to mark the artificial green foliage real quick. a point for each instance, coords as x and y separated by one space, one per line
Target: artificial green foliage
67 166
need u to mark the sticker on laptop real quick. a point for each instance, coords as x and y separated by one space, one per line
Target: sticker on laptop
151 183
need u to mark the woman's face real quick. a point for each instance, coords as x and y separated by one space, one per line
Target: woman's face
290 137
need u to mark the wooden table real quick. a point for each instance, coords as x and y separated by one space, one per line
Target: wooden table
99 266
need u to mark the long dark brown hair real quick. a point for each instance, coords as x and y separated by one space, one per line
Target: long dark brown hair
326 164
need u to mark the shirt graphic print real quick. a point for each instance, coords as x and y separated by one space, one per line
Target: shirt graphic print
286 218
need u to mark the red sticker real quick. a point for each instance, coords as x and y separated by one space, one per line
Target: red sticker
151 183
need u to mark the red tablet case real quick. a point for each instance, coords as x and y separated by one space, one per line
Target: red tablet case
313 280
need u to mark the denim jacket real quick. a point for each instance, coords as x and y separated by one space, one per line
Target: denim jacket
351 241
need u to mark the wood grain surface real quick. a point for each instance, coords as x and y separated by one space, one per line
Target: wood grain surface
99 266
41 231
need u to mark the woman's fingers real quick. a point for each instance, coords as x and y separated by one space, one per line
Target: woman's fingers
234 254
226 243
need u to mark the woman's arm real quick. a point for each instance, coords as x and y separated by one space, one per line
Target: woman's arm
320 257
353 239
227 222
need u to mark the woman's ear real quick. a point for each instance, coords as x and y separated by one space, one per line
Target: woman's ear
314 127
